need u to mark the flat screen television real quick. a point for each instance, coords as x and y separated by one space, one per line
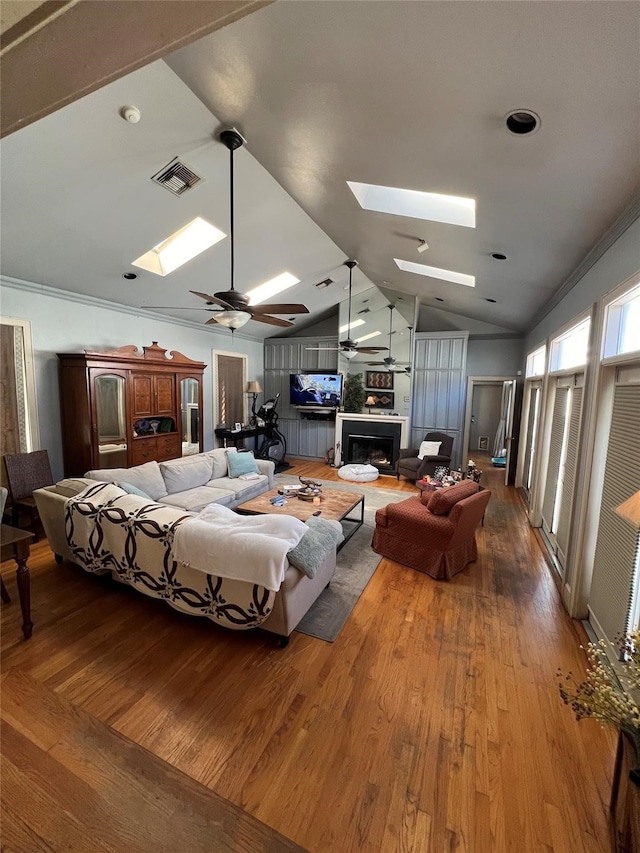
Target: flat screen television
315 389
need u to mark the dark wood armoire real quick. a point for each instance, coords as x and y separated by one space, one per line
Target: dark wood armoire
121 408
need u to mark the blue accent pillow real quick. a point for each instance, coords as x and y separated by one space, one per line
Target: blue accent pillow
241 463
133 490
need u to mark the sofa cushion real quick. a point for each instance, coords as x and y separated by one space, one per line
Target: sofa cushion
312 550
442 501
219 457
146 477
186 472
241 463
240 487
193 500
132 490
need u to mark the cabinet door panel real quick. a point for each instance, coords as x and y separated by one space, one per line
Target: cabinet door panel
142 395
165 393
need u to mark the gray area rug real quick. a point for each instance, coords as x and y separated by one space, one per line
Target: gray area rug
355 565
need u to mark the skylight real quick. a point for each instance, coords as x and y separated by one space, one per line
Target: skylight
270 288
435 272
180 247
455 210
368 337
354 324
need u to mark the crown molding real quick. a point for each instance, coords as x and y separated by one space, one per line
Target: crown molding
94 301
627 218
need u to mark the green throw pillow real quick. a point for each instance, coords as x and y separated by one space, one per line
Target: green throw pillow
241 463
312 550
133 490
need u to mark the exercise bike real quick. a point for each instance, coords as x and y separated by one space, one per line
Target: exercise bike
274 444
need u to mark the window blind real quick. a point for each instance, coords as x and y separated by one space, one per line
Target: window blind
555 452
569 475
534 402
613 582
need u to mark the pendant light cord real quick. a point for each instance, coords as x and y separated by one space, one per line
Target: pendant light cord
349 319
231 220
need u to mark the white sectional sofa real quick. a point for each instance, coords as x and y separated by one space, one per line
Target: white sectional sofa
131 537
191 482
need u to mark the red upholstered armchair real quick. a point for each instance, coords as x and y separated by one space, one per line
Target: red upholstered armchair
434 532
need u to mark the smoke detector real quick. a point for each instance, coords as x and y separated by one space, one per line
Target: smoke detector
131 114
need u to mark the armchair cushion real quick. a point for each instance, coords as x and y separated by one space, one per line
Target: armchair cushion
429 448
443 500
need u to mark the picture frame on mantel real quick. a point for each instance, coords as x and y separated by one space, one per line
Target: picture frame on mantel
379 379
383 400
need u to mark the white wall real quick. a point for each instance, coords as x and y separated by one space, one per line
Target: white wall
617 264
67 323
494 357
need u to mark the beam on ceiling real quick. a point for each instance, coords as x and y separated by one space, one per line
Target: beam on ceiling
66 50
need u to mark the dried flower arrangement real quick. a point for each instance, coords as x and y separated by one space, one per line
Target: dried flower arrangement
609 692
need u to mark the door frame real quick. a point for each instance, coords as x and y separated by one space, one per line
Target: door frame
472 381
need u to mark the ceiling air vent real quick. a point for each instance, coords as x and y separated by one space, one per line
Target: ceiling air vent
176 177
365 311
325 283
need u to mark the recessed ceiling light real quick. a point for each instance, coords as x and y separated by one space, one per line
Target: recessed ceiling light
498 256
438 299
522 122
354 324
490 300
435 272
275 285
129 275
454 210
180 247
368 337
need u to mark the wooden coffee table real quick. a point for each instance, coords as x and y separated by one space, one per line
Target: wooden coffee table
334 505
16 544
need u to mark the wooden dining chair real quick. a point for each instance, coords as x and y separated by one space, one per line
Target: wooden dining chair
25 473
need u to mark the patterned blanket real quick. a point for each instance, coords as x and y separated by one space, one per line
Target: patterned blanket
109 530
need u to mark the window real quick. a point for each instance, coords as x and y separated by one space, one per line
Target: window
622 324
535 362
570 349
531 438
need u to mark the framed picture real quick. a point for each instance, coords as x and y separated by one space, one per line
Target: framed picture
383 400
379 379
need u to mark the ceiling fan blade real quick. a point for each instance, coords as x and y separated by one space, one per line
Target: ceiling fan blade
179 307
214 299
273 321
372 350
323 349
280 308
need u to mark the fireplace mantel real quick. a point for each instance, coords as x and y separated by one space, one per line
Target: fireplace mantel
341 417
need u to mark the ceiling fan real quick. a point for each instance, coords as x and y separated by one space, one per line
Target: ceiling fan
349 348
231 308
389 362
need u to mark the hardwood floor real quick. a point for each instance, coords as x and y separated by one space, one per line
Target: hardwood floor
433 722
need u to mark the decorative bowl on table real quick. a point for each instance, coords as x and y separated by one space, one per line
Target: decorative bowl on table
309 489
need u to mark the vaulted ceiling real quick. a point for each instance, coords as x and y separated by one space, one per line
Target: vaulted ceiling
405 94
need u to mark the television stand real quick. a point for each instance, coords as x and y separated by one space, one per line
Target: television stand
317 413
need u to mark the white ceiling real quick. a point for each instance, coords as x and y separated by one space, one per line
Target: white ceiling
408 94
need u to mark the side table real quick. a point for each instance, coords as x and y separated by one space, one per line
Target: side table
16 544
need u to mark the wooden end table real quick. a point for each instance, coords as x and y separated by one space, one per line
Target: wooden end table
16 544
334 505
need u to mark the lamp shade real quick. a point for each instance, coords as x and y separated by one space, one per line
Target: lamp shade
630 510
232 319
253 387
370 401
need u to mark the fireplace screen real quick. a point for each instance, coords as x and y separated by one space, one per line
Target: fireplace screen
374 450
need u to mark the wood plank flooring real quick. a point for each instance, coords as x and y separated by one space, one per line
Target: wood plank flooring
432 724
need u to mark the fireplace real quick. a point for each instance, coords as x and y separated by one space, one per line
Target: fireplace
369 442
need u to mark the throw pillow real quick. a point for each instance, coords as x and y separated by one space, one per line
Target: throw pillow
241 463
442 501
132 490
312 550
429 448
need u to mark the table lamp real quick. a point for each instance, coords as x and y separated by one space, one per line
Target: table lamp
370 401
254 389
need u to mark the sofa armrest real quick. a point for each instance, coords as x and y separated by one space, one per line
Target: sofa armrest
381 517
268 467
